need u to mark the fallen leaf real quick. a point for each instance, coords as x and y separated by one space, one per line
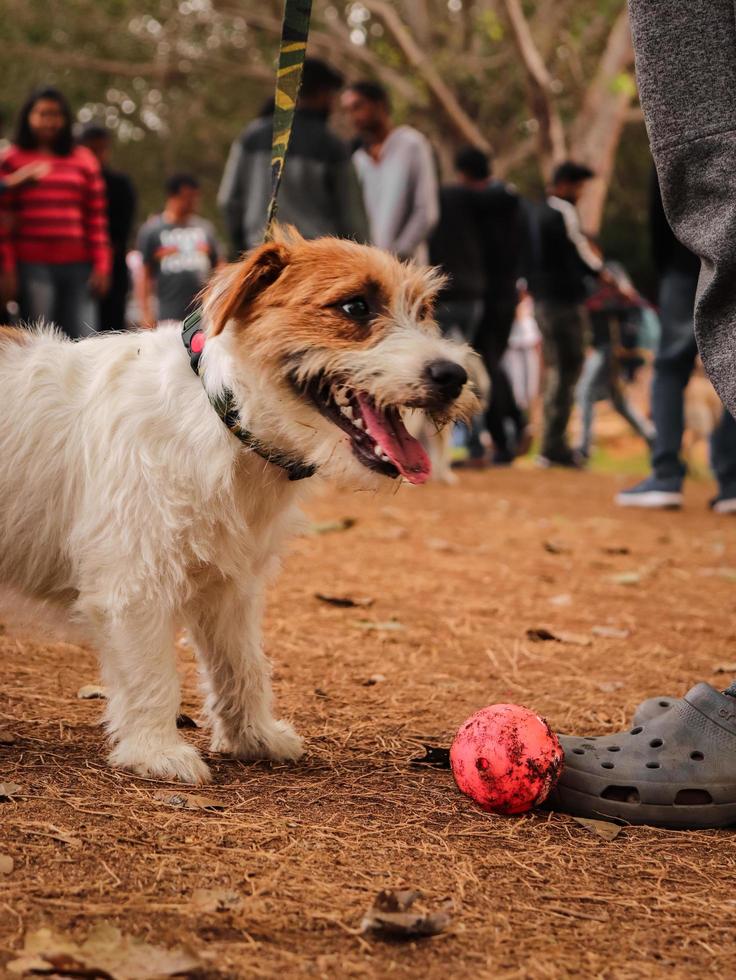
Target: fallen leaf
184 721
105 953
626 578
390 533
343 602
560 600
724 669
327 527
435 756
7 864
6 738
215 900
541 634
391 917
608 687
370 624
91 691
8 791
610 632
601 828
556 547
188 801
439 544
374 679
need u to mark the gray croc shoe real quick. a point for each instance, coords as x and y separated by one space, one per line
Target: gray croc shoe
675 769
652 708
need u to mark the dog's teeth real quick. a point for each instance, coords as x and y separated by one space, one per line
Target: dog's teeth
378 451
347 411
359 424
341 398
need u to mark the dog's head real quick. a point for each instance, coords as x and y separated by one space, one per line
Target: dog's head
330 344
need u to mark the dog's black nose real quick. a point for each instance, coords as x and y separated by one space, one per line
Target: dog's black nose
446 378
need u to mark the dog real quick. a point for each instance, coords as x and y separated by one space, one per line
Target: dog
141 495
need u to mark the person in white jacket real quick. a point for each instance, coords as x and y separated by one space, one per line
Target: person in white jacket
397 172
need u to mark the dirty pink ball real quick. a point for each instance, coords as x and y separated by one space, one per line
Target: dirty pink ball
506 758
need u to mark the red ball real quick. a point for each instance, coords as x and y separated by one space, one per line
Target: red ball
506 758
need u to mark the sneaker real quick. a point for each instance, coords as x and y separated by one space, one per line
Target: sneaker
571 460
724 503
654 493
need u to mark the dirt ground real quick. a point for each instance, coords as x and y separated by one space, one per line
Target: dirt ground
457 576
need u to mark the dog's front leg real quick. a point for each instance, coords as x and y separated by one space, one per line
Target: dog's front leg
139 670
226 629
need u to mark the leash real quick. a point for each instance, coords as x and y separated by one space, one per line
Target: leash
292 51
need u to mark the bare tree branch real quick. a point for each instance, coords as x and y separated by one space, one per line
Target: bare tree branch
442 94
551 133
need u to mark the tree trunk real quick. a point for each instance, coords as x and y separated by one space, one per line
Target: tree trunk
599 124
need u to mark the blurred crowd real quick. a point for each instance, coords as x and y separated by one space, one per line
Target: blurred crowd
526 287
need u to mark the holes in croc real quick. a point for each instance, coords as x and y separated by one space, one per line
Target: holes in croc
606 765
637 731
693 797
621 794
614 748
665 704
656 743
697 756
579 751
652 765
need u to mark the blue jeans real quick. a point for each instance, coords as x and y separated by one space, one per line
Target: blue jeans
672 369
58 294
599 380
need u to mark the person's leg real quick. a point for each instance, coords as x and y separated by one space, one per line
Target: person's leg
36 293
504 420
590 379
75 307
673 366
641 425
672 369
686 68
563 335
723 461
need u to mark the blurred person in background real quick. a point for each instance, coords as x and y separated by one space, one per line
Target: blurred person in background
397 172
319 192
121 203
562 261
678 270
54 250
616 314
179 251
500 221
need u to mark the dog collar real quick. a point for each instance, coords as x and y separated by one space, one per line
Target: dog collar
193 337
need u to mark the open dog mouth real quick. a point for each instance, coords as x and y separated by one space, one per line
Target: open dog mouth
378 437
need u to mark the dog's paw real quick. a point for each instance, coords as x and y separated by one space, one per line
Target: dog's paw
274 740
169 762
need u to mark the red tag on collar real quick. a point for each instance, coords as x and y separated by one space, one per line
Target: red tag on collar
196 344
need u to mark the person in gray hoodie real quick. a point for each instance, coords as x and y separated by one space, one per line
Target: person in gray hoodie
319 195
676 766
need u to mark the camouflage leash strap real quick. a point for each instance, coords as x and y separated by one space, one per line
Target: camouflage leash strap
292 52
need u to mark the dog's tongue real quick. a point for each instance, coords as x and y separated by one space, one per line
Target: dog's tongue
390 433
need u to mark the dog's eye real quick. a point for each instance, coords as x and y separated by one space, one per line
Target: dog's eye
356 308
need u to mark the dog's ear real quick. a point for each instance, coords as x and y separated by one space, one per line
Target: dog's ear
258 270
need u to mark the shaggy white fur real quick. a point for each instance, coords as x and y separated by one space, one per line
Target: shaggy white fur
126 500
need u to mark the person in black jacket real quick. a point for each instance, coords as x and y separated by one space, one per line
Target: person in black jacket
121 204
562 260
320 193
501 227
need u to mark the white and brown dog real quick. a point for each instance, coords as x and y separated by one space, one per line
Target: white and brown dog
140 496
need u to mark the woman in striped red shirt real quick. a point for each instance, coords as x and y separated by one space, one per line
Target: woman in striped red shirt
54 250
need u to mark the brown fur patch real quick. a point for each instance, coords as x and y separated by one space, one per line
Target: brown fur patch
286 295
14 335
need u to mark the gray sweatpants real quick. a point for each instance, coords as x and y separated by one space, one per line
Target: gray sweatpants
686 70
